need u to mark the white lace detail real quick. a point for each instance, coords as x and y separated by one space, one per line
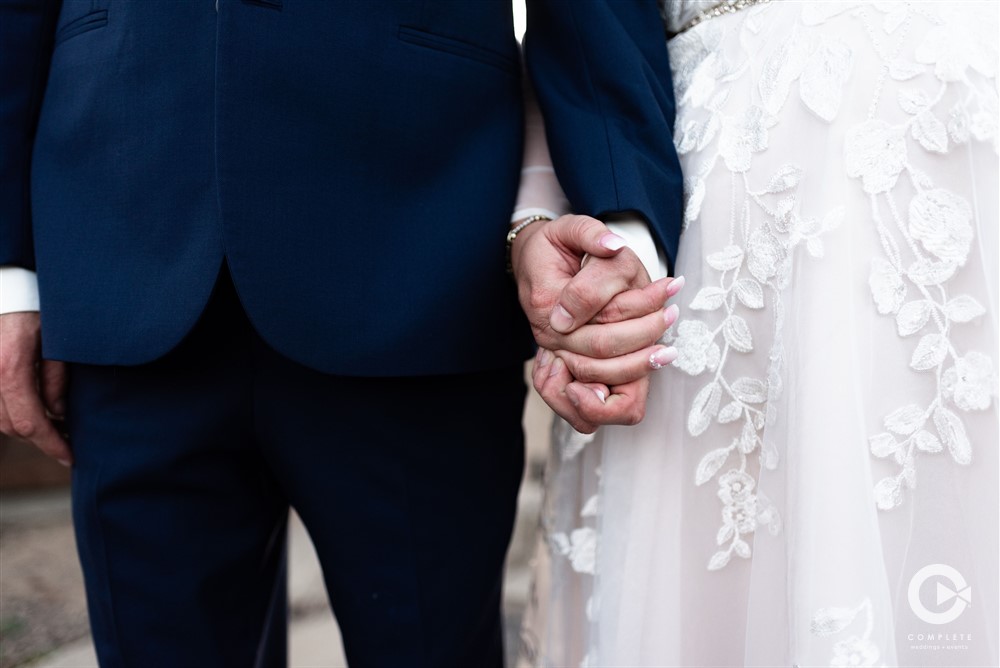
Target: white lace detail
579 544
855 650
795 346
926 245
767 229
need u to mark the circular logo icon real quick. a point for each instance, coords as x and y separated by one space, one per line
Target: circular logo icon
956 590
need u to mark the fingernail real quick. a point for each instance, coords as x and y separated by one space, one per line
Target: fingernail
561 319
600 395
544 358
572 396
675 286
670 314
59 407
612 241
65 462
557 366
662 357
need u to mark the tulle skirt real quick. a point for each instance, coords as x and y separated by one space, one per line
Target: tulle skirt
816 479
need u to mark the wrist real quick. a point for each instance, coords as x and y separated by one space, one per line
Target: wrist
520 228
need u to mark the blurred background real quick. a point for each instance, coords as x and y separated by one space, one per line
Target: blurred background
43 613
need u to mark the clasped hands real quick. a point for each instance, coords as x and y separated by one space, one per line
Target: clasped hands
596 325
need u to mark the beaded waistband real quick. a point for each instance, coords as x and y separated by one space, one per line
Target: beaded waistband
727 7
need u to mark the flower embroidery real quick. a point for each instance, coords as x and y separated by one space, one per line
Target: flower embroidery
735 486
886 283
754 268
971 383
740 510
941 221
765 254
925 249
742 136
926 242
696 349
580 547
956 45
876 152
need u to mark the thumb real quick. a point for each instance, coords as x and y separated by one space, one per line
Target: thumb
583 235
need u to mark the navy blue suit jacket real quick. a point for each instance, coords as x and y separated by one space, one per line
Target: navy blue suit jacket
355 163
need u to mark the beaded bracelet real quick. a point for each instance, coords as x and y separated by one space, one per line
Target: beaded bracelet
514 231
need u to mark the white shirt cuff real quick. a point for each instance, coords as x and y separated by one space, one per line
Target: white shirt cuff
638 237
18 290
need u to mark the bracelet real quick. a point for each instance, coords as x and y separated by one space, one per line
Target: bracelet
513 235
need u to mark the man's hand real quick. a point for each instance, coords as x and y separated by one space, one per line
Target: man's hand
603 320
560 299
32 390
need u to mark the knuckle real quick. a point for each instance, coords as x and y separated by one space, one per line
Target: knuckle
24 428
604 345
655 327
539 300
10 387
612 312
636 270
545 339
8 373
649 302
579 224
583 293
584 369
582 425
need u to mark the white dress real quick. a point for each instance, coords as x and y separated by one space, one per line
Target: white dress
816 480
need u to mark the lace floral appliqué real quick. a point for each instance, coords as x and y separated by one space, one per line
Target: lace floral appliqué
926 241
767 232
853 650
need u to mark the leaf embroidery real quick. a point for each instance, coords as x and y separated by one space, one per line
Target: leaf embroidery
854 650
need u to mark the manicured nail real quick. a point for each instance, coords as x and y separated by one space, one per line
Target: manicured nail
600 395
675 286
670 314
662 357
557 366
612 241
65 462
561 319
544 358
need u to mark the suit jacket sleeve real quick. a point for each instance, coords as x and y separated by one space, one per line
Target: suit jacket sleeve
26 37
602 75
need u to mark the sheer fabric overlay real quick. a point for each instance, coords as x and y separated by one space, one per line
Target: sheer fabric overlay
815 482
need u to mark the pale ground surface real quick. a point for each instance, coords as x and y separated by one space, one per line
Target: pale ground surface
43 619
